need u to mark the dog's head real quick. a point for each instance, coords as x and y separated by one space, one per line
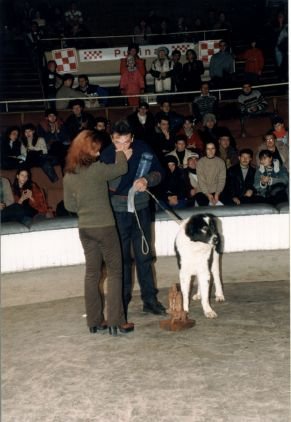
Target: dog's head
203 228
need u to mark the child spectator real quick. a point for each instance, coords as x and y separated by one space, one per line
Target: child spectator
280 131
271 179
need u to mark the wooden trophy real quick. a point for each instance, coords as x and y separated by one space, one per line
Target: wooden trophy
179 318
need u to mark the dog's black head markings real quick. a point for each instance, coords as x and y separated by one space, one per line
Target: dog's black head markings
202 228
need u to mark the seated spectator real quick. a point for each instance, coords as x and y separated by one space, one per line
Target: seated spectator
51 81
204 104
279 150
177 73
101 125
221 67
142 123
132 50
280 131
226 151
163 141
221 22
142 32
30 196
173 188
55 134
181 152
35 151
192 71
11 149
209 130
194 142
190 178
162 31
271 179
239 188
79 119
181 27
73 15
65 93
175 119
161 70
10 211
132 82
211 174
254 62
252 104
93 91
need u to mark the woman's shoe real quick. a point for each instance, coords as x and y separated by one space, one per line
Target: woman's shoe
127 327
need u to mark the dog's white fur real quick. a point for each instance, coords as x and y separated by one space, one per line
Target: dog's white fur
195 260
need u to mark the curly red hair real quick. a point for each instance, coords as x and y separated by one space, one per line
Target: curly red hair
83 150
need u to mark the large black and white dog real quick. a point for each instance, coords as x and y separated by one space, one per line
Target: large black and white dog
197 248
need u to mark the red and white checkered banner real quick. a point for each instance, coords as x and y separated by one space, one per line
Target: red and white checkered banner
206 49
117 53
66 59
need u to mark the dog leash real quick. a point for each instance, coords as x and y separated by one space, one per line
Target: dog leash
144 244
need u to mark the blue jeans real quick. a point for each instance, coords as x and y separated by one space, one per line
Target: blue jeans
131 239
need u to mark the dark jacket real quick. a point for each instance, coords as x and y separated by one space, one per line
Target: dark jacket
235 183
73 124
145 132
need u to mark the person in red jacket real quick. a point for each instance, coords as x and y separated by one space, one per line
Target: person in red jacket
132 82
254 62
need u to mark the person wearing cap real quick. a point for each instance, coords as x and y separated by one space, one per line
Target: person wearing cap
161 70
191 178
66 92
173 187
142 122
280 131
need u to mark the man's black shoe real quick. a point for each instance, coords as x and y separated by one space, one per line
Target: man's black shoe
155 308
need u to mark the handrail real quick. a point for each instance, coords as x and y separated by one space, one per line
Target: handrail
145 96
133 35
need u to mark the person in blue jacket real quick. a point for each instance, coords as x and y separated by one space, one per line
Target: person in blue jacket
144 171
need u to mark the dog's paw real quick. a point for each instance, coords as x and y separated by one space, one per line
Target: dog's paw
210 314
196 297
219 298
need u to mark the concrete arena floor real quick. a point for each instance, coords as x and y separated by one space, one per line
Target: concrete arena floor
232 369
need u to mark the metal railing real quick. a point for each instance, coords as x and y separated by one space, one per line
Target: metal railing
150 97
109 40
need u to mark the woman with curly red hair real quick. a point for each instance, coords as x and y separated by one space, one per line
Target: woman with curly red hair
86 193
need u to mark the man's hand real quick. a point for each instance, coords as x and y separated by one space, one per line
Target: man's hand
211 198
2 205
141 184
236 200
249 193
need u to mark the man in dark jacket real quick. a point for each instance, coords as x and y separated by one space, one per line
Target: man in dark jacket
144 170
239 188
79 119
142 123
